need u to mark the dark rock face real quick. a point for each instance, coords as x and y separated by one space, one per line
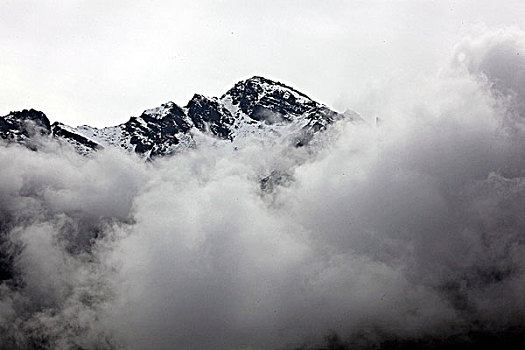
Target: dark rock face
257 96
59 131
23 126
209 116
272 102
6 259
154 133
251 106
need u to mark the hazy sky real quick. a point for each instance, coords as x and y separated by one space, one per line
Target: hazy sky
99 62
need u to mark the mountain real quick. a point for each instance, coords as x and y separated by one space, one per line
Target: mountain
256 107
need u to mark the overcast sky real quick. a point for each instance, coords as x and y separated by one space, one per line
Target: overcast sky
99 62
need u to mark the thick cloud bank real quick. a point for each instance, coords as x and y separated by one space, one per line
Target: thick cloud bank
412 229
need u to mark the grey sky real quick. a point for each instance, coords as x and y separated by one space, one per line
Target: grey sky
99 62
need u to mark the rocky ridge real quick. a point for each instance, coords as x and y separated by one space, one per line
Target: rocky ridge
252 107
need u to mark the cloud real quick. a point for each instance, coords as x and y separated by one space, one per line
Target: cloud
409 230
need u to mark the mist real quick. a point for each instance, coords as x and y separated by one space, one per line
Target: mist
409 229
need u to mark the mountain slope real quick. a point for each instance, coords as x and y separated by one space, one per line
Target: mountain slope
252 107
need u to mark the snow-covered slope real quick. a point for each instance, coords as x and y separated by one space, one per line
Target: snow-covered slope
256 107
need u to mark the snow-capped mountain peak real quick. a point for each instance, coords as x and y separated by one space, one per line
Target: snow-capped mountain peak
253 107
257 95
